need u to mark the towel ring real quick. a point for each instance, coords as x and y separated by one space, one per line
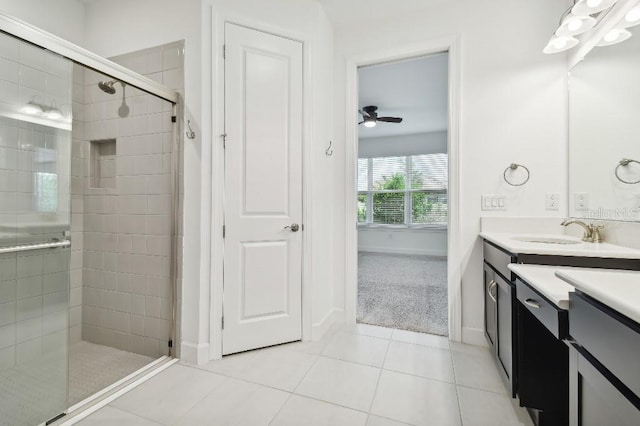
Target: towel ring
624 163
514 166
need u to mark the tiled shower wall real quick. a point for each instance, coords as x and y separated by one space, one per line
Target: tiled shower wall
34 175
126 223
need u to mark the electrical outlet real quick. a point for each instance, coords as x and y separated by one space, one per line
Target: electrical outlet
553 201
581 201
493 202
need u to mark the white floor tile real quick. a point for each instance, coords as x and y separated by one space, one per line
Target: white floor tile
381 421
416 400
474 367
424 361
310 412
109 416
311 347
340 382
369 330
237 402
231 365
357 348
420 339
278 368
171 394
482 408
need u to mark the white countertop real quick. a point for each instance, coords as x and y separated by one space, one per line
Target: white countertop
582 249
620 290
543 278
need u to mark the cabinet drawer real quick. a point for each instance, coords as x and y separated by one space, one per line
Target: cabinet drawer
498 259
552 317
614 342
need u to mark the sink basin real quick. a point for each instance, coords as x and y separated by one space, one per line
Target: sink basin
546 240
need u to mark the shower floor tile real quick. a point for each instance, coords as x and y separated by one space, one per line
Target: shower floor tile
93 367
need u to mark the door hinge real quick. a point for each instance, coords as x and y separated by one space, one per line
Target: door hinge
223 323
170 343
174 118
224 140
224 231
224 51
302 227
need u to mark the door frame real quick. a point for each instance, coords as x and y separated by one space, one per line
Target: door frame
446 44
216 266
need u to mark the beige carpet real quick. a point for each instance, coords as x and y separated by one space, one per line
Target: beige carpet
93 367
403 291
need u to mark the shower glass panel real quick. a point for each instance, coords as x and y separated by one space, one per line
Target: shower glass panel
35 156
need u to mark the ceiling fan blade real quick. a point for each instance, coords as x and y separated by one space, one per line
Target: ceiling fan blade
390 119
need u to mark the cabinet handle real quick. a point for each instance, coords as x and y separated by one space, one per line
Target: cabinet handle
532 303
492 284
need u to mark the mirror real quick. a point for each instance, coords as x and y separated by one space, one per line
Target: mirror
604 133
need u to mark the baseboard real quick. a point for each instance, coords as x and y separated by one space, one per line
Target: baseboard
194 353
319 329
435 253
473 336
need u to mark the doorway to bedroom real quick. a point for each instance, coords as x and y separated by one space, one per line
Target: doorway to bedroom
402 183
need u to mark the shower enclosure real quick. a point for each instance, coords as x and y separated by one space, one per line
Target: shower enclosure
88 206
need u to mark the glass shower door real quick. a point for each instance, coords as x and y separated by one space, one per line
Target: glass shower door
35 247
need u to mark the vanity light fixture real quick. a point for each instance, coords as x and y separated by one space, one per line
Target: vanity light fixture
560 44
49 111
589 7
32 108
572 25
616 35
631 18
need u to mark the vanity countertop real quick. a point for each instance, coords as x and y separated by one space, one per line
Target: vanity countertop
543 278
620 290
508 242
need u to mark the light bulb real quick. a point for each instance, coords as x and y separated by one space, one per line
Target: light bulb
614 36
590 7
574 24
633 15
31 109
593 3
559 43
370 123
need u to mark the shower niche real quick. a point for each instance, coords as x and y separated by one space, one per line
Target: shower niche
102 168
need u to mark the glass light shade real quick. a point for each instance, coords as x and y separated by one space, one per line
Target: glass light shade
617 35
560 44
573 25
31 109
632 18
53 114
369 123
589 7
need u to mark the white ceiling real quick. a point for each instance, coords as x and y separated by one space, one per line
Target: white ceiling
415 90
344 12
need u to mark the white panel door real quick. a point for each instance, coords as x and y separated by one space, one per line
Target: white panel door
263 190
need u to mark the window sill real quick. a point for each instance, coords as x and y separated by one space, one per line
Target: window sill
370 226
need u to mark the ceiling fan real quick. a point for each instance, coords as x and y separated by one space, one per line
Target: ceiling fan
370 117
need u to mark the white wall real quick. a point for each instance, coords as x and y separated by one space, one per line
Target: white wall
512 108
64 18
420 143
429 242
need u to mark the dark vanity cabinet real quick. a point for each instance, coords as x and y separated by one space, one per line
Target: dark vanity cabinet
604 378
543 357
499 316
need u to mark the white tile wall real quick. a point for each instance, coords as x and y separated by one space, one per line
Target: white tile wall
126 225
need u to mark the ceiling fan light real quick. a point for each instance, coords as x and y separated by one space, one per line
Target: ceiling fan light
573 25
589 7
559 44
616 35
369 123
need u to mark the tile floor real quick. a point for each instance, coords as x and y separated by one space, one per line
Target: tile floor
359 375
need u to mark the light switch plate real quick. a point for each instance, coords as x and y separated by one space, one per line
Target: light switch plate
553 201
580 200
493 202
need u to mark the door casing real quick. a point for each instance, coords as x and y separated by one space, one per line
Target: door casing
452 46
215 263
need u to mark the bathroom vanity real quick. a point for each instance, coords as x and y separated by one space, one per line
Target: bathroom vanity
527 312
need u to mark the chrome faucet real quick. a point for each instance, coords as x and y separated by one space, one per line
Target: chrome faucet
591 231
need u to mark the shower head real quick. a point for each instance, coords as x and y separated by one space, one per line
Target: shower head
107 86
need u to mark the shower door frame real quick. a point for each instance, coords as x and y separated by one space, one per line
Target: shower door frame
40 38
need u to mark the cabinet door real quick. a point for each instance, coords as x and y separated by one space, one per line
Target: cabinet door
490 305
503 292
595 401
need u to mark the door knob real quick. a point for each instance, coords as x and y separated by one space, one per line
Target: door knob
294 227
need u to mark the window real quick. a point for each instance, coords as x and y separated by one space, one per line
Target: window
407 190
